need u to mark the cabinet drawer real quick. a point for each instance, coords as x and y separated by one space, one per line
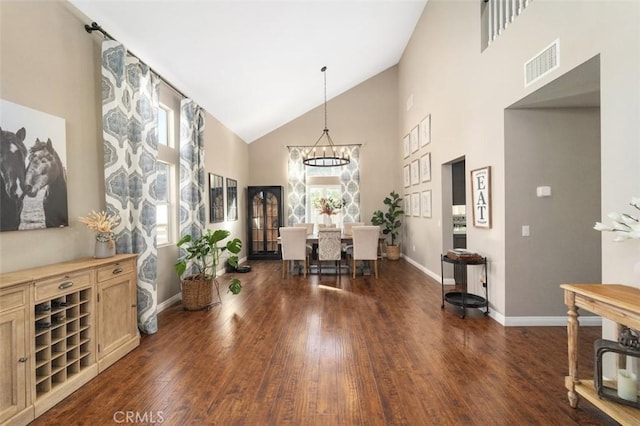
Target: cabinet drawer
115 269
13 297
62 284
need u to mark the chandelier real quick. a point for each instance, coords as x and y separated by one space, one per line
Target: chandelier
325 154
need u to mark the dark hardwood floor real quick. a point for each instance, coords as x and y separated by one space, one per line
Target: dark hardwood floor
336 351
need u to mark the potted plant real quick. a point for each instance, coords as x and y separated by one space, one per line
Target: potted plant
390 222
204 254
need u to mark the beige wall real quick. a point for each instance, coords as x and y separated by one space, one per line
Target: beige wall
367 115
49 63
467 91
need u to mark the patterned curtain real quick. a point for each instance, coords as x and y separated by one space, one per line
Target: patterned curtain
350 181
297 188
129 121
192 176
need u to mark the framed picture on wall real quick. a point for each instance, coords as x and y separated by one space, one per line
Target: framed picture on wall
415 139
425 198
415 204
425 167
407 175
425 131
232 199
33 163
415 172
216 198
407 205
406 145
481 197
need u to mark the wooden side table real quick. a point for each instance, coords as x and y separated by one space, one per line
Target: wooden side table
616 302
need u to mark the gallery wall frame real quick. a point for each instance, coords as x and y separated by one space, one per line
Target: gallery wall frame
425 130
415 204
425 167
407 175
481 197
216 198
415 172
407 205
415 139
232 199
425 199
406 145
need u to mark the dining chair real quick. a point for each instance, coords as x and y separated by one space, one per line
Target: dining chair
329 247
347 249
293 242
347 227
307 226
365 245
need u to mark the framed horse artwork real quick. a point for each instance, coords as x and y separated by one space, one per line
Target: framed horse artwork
33 176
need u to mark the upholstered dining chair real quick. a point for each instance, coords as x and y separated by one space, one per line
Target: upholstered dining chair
293 242
307 226
347 227
365 245
329 247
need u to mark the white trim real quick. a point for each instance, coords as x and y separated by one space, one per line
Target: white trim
591 321
169 302
529 321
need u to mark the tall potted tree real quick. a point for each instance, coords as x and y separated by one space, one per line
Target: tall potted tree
205 254
390 222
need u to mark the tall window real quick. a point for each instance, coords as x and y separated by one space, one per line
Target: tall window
322 182
315 192
165 126
163 212
166 183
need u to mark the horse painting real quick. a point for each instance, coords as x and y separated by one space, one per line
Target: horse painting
12 178
46 170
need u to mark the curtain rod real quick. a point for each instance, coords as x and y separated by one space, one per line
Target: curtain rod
95 27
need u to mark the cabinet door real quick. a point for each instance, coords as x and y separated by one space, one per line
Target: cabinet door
13 386
265 218
116 315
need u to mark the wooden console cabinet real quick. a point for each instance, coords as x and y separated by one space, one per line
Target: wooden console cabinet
60 326
618 303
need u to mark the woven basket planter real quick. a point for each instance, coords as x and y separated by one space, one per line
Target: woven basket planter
197 293
393 252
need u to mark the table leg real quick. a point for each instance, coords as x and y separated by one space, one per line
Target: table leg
572 343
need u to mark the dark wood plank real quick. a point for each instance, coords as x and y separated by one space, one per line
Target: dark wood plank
332 350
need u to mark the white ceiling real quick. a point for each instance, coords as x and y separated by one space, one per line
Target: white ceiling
255 65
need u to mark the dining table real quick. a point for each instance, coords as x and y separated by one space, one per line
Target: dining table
346 239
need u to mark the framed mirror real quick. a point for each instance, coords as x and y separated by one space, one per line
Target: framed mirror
232 199
216 198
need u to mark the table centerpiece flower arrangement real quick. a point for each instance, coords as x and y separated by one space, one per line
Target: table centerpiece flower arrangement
103 223
328 206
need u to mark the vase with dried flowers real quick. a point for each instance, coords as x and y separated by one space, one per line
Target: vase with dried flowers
103 223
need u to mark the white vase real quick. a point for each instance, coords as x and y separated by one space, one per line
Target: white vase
327 219
105 246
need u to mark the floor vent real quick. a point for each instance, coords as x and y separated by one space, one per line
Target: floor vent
542 64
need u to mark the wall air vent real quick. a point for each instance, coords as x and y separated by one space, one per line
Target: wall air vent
542 64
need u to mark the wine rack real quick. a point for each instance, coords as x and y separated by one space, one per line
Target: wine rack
63 339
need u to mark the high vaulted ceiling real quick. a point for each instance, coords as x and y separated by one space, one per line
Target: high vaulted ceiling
255 65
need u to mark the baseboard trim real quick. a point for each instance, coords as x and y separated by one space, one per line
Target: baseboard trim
169 302
589 321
